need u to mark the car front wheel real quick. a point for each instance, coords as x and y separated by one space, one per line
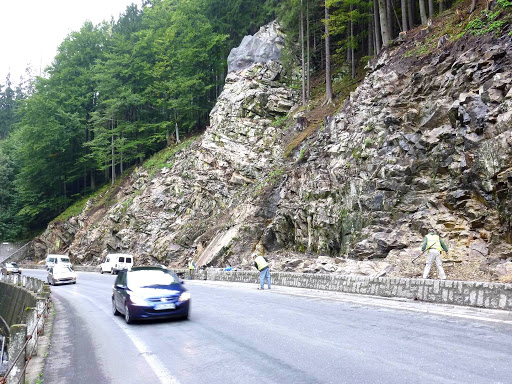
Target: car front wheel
127 316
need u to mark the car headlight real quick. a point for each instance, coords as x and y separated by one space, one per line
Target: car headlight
184 296
137 300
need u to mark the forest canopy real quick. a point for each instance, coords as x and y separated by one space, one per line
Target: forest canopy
120 91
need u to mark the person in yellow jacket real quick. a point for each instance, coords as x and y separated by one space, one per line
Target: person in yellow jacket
191 268
433 245
262 264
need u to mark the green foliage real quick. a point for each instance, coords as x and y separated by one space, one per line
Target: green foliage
504 3
75 209
115 94
271 180
163 158
280 121
491 21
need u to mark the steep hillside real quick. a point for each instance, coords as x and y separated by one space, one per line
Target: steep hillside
424 141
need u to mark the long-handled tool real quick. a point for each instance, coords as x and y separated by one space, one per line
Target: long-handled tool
417 257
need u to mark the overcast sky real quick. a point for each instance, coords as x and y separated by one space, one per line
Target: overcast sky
31 30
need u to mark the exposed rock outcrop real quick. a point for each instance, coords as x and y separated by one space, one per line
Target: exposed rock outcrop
264 46
212 200
422 142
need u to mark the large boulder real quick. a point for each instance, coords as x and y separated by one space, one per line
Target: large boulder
264 46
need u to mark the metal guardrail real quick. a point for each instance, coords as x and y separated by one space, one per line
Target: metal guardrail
11 256
32 330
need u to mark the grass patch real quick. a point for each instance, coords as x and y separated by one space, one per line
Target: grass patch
493 21
78 206
162 159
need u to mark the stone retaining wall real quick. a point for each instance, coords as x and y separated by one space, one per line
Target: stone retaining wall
24 303
13 303
468 293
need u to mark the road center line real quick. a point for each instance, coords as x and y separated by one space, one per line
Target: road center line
164 376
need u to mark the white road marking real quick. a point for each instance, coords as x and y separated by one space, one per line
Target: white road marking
164 376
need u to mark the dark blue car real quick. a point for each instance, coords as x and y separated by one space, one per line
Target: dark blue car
150 293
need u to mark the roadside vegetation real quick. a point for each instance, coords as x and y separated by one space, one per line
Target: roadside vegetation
120 92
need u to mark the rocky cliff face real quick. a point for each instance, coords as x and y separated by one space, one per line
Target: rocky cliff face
213 198
424 142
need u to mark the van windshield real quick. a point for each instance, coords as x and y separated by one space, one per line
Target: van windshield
64 260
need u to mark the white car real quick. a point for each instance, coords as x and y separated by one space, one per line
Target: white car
116 262
60 274
52 260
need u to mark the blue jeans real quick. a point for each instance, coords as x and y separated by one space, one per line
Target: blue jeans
265 274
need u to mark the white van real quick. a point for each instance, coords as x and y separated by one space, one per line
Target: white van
52 260
116 262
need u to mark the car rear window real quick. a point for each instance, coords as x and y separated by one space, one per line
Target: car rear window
150 278
121 259
128 259
64 260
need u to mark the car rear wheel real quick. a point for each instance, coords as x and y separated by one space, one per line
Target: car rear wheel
127 316
114 308
112 271
101 270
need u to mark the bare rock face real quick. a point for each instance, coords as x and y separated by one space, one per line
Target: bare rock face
264 46
420 144
212 200
423 142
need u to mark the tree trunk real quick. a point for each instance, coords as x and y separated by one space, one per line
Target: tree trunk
113 162
371 45
176 128
121 158
431 9
441 6
303 59
423 13
93 180
352 58
328 80
384 29
308 54
389 14
411 9
403 5
473 6
376 27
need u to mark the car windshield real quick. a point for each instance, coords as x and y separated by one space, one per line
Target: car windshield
14 265
150 279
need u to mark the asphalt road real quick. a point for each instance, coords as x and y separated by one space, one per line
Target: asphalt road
238 334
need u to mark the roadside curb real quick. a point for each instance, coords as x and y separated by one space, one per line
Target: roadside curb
392 303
